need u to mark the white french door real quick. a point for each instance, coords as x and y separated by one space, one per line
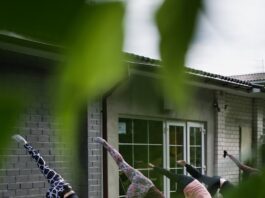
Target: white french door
182 140
196 145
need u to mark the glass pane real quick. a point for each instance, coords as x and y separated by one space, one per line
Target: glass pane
180 154
124 183
198 137
140 156
156 155
145 173
195 156
125 130
174 195
176 135
172 135
173 184
198 156
157 179
155 132
195 136
176 153
140 131
173 155
179 135
192 136
126 152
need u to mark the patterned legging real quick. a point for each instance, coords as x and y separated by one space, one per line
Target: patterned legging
140 184
57 184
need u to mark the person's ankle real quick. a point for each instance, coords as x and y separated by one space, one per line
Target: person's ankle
68 193
181 162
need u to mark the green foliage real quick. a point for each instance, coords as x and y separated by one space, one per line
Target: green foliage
176 22
92 35
93 62
47 21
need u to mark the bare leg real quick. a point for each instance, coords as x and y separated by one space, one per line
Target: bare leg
140 184
129 171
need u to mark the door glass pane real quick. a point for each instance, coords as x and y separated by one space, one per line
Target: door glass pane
195 136
179 135
176 148
195 146
175 153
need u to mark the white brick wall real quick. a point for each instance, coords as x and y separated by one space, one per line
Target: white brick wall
238 112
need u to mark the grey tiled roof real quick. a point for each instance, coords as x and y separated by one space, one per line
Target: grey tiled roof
251 77
205 76
149 64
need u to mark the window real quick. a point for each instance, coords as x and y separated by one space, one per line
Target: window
143 141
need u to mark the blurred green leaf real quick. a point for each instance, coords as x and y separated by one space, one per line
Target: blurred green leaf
93 62
47 21
176 22
253 187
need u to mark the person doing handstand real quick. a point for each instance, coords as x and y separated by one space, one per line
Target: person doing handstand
59 188
190 187
141 186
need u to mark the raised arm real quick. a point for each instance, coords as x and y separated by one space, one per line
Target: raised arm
164 172
241 166
190 169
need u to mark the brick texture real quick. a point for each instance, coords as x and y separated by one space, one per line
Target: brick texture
235 111
94 152
19 175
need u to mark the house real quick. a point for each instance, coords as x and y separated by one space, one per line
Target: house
138 119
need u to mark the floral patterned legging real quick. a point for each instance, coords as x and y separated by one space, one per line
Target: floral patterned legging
140 184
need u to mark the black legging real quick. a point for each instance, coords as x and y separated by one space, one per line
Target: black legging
212 183
181 180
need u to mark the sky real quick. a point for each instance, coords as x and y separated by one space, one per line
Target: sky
229 38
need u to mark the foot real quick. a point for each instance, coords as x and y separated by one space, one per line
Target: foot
225 153
151 165
181 162
19 139
99 140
